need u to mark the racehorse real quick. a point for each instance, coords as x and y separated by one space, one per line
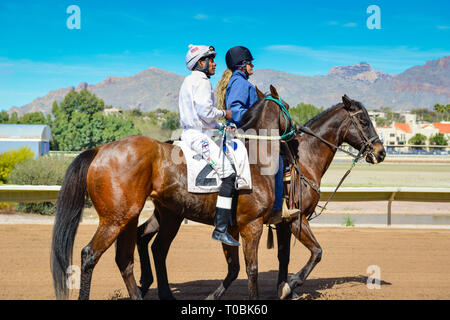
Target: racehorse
345 122
121 175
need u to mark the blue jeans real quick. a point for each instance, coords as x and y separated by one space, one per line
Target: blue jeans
278 205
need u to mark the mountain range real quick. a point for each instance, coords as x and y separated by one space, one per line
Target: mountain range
417 87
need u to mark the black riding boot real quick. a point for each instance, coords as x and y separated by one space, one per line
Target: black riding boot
223 212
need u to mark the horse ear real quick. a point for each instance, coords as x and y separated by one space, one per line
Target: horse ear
274 92
259 93
347 101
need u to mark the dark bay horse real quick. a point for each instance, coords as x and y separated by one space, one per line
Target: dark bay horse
345 122
121 175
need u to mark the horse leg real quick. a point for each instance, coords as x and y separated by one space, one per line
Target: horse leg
160 247
251 234
232 257
308 240
105 235
125 258
284 250
145 233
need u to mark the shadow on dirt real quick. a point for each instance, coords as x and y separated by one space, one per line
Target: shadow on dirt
200 289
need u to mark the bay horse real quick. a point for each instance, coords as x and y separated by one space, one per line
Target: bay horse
121 175
344 122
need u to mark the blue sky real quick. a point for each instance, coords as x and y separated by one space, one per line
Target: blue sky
38 53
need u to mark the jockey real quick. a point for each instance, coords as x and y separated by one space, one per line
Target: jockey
198 117
238 97
240 93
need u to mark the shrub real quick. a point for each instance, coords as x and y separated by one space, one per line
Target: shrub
40 171
8 160
418 139
438 139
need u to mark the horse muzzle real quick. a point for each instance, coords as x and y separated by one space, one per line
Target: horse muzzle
377 154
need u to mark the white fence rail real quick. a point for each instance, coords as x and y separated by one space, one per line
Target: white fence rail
20 193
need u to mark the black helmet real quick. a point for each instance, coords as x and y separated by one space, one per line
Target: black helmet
236 55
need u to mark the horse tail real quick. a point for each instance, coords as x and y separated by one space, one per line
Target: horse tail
69 207
221 89
270 238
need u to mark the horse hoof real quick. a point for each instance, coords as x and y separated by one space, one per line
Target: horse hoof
284 290
143 290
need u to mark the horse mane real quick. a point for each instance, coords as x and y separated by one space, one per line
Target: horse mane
322 114
253 114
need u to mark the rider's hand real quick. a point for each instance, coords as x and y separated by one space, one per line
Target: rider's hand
228 114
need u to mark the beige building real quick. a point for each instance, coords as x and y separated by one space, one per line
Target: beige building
112 111
398 134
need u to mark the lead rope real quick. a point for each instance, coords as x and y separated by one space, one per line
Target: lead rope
360 155
334 192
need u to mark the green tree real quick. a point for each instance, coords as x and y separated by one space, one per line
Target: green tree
163 111
152 117
4 117
424 114
303 112
418 139
13 119
116 128
389 117
438 139
171 121
381 122
137 113
79 123
33 118
442 111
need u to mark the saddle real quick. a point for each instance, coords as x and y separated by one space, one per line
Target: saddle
201 178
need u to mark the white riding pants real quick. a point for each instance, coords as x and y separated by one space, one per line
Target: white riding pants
200 141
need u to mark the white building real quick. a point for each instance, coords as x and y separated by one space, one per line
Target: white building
398 134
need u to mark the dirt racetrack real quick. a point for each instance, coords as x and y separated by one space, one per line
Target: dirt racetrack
414 264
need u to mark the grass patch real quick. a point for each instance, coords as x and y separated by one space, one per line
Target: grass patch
348 221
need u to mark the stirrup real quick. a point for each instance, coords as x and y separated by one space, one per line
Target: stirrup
288 213
285 215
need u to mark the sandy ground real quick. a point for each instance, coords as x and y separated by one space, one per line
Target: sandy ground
333 208
413 264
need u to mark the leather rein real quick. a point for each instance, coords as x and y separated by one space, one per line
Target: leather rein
366 148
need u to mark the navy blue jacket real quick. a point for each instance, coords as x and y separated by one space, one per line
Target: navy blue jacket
240 95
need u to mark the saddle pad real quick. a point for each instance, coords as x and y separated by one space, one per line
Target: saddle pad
201 176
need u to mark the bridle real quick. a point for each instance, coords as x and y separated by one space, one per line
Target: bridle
367 146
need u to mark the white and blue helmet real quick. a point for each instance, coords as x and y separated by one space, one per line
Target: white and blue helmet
196 53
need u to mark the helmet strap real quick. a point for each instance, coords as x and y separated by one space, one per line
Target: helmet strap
205 70
243 68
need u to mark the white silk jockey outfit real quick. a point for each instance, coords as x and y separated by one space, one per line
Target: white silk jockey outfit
198 118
